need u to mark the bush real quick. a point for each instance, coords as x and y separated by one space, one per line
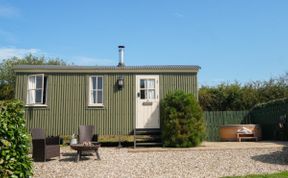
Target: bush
14 141
272 103
182 120
235 96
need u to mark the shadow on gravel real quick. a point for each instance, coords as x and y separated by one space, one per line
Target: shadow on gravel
278 157
70 157
69 154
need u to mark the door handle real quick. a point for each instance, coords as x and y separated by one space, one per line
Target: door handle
138 94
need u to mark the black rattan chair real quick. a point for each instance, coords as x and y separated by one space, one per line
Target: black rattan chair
44 148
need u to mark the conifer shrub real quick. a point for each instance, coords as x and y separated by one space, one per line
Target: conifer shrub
14 141
182 121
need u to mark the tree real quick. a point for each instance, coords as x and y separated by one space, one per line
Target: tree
6 91
8 77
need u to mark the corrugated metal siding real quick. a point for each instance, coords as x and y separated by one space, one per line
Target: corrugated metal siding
171 82
67 102
67 105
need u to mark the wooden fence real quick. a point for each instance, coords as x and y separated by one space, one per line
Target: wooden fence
272 118
214 119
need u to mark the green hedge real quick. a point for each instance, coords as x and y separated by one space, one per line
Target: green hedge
236 96
272 103
14 141
182 120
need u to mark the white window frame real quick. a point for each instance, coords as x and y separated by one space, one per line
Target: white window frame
91 90
28 99
147 89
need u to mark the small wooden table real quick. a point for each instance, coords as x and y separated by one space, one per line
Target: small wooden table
80 147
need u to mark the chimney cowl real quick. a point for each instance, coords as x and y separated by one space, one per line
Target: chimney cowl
121 56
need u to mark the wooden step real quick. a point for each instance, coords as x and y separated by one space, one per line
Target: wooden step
148 144
147 137
148 140
152 131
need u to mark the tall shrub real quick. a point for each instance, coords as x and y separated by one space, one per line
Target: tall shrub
14 141
182 120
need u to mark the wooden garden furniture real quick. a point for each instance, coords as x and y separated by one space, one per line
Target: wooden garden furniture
241 136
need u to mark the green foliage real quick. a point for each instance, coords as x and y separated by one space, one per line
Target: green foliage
233 97
276 102
8 77
14 141
6 91
182 120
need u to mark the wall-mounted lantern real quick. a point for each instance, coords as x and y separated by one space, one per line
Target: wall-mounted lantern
120 82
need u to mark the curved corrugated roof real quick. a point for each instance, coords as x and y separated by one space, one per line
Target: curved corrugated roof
107 67
113 69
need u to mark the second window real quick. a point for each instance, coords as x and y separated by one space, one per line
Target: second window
95 90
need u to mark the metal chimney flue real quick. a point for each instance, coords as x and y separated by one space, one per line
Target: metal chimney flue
121 56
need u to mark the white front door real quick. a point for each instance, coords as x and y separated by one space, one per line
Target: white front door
147 101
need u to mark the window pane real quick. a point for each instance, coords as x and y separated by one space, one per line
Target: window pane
142 83
94 83
38 81
38 98
31 97
151 83
99 97
142 94
99 82
31 82
151 94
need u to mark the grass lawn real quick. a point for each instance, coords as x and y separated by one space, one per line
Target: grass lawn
275 175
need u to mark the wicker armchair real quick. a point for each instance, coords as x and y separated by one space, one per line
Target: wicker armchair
44 148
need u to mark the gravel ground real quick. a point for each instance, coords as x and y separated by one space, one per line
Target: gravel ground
209 162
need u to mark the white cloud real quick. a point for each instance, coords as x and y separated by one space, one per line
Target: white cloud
6 53
90 61
8 11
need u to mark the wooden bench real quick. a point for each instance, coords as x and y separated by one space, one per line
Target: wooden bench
241 136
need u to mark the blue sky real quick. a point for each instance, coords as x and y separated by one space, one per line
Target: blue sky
231 40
